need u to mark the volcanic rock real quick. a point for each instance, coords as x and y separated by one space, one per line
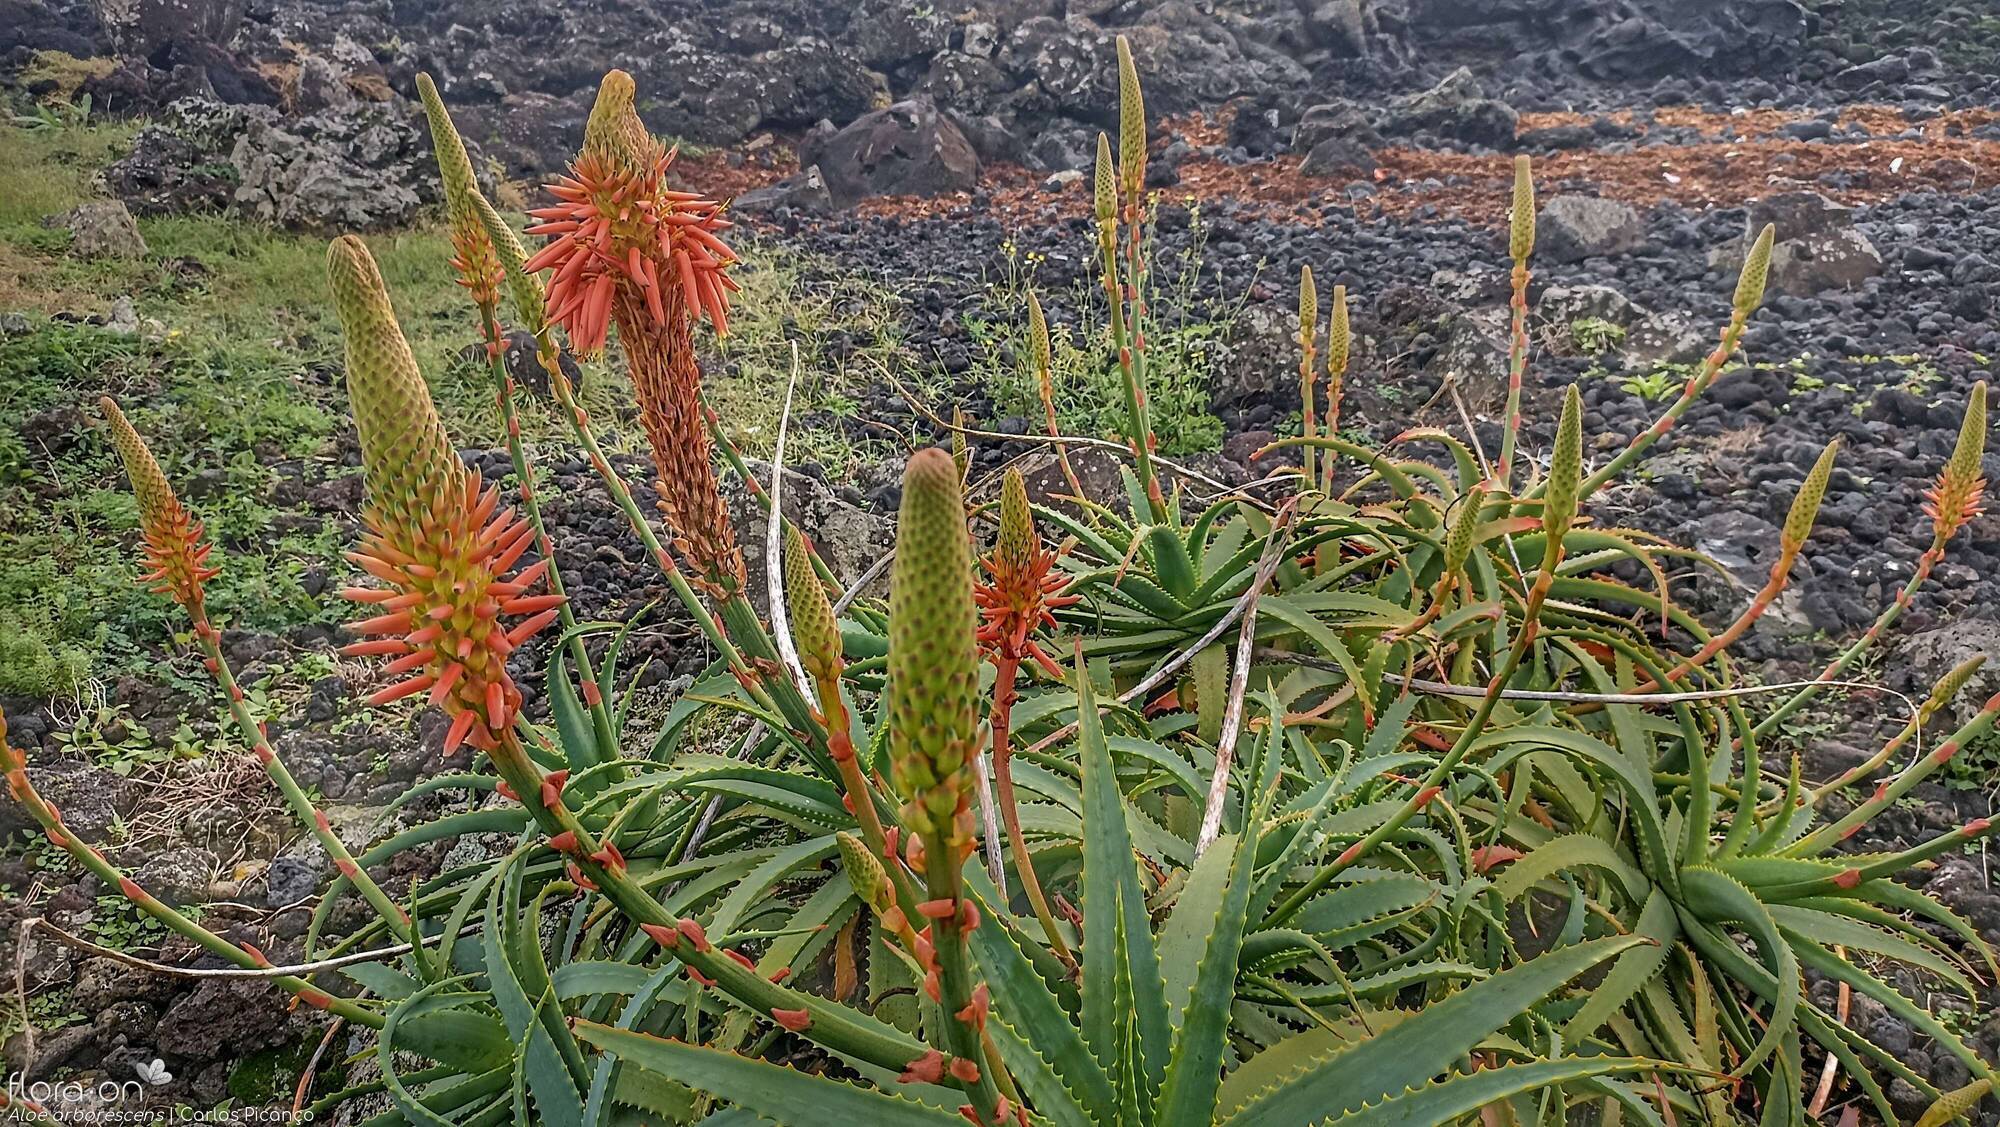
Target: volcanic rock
1455 109
1573 228
908 149
1338 156
1818 247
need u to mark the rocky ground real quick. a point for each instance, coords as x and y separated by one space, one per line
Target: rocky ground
940 153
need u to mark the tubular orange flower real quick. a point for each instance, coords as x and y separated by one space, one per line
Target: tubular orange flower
1960 492
173 544
1019 600
627 249
1022 592
441 545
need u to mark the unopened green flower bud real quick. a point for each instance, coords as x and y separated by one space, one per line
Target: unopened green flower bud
1559 500
1308 310
1521 220
814 627
933 662
1805 506
865 872
1756 271
1464 530
1104 201
1338 338
1131 122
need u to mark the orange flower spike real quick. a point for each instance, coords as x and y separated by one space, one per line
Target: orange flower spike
474 258
440 544
1959 494
172 543
1022 592
616 228
627 250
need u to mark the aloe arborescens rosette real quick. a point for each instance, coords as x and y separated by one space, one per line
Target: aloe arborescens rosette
442 546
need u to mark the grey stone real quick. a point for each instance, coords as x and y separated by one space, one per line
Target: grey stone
143 27
1571 228
1796 214
1335 120
322 86
123 318
1925 658
908 149
1340 25
1474 353
1456 108
178 876
103 229
850 540
1650 338
805 191
1338 156
91 799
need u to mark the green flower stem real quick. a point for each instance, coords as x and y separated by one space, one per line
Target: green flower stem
1906 780
579 421
302 807
881 1046
954 964
1732 334
1932 556
1006 671
1131 366
531 506
16 767
732 454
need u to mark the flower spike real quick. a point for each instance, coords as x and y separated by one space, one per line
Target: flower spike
1960 492
627 250
442 544
933 665
173 544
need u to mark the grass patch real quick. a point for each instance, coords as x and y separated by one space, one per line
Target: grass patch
847 334
235 380
1184 346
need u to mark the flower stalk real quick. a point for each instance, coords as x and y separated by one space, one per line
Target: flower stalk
173 542
1957 497
485 266
1520 245
1020 597
933 740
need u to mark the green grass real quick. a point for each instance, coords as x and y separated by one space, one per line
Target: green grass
235 379
788 300
1184 346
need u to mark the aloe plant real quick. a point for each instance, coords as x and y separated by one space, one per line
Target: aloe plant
1281 780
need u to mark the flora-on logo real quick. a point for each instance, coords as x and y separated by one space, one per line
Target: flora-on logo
54 1094
153 1072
